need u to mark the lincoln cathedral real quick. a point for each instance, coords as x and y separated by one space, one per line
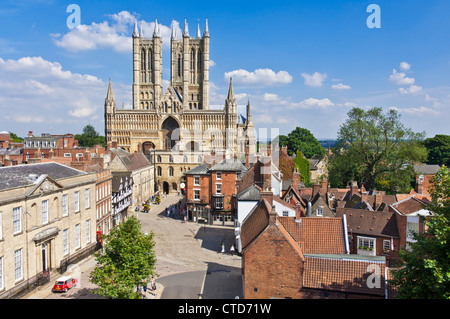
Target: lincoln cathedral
176 128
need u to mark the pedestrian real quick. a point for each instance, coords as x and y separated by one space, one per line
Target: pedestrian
153 284
232 250
223 247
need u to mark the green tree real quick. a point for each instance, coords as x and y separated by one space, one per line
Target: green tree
372 146
438 148
127 259
15 138
302 140
89 137
425 269
303 166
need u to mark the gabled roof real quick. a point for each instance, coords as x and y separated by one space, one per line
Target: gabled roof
344 273
19 175
317 235
371 223
132 161
426 169
229 165
201 169
411 206
255 222
251 193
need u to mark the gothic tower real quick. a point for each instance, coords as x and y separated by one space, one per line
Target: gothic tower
147 69
190 67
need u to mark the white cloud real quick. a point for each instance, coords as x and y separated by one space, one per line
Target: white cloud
115 35
314 80
259 77
340 87
418 111
405 66
313 103
34 90
400 78
411 90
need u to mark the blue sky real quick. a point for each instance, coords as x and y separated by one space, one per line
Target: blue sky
301 63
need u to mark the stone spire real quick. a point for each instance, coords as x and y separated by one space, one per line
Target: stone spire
206 32
249 115
230 96
140 32
135 32
186 30
198 30
110 93
156 33
174 35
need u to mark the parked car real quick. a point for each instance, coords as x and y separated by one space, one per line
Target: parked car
63 284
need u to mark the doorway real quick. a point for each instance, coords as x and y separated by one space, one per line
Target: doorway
166 187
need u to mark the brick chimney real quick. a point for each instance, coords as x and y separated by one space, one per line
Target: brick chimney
267 194
324 187
273 216
316 189
353 188
295 179
298 211
266 172
378 200
419 186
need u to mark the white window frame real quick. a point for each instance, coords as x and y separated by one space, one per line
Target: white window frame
219 203
87 197
219 175
77 236
218 188
196 180
88 231
17 219
319 212
45 212
196 192
76 203
285 213
65 205
386 245
18 265
67 155
66 241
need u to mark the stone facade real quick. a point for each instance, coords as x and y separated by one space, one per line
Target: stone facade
178 120
47 221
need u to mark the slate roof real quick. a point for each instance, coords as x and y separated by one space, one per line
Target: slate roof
17 176
316 235
251 193
373 223
426 169
229 165
10 151
201 169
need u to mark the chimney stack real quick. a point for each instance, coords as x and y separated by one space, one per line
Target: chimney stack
267 194
316 189
247 155
296 179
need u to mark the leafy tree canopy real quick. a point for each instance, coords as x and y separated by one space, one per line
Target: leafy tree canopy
425 269
127 259
89 137
438 148
375 147
302 140
303 167
15 138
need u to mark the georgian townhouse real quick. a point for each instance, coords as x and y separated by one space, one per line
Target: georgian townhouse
47 222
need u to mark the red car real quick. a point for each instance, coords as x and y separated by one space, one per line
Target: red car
63 284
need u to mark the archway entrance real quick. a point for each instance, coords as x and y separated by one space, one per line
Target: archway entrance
168 127
166 187
147 146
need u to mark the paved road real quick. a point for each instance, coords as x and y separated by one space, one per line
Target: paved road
190 252
189 262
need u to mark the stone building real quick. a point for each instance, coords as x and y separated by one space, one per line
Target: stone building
177 127
47 222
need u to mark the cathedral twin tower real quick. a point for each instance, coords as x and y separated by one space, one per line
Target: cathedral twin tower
155 116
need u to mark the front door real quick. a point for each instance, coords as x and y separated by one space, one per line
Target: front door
45 264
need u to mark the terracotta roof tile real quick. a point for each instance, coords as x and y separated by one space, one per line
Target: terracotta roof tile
345 273
316 235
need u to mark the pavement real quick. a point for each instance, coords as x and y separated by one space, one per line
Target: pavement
190 264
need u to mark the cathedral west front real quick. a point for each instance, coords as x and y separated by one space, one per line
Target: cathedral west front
176 128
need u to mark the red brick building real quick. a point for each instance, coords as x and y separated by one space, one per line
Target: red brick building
304 258
211 191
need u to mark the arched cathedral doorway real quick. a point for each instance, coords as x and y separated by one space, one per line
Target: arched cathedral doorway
168 127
